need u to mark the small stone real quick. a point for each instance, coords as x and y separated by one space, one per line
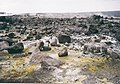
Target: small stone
63 52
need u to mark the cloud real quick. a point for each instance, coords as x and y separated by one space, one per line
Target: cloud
20 6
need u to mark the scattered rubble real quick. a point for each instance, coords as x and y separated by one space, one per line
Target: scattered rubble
59 50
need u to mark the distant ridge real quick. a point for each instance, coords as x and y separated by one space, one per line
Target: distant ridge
68 15
112 13
81 14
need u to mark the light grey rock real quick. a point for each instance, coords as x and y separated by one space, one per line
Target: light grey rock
114 54
4 44
63 52
95 48
49 61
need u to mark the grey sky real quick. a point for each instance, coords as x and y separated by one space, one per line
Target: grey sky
41 6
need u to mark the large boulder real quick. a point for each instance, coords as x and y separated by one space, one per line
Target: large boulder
44 60
63 52
64 38
35 58
95 48
44 46
17 48
48 61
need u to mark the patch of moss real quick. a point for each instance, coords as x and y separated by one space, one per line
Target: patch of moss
29 68
65 58
17 73
17 68
19 62
26 50
5 54
98 60
92 68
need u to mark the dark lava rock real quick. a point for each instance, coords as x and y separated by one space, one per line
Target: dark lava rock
17 48
41 45
46 48
64 38
22 31
92 30
97 40
37 36
29 37
11 35
63 52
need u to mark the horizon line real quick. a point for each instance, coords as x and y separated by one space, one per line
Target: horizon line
59 12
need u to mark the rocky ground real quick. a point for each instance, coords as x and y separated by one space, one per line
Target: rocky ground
82 50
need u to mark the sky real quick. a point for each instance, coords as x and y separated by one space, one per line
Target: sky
58 6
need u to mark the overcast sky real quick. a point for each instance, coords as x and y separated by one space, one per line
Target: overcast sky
57 6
